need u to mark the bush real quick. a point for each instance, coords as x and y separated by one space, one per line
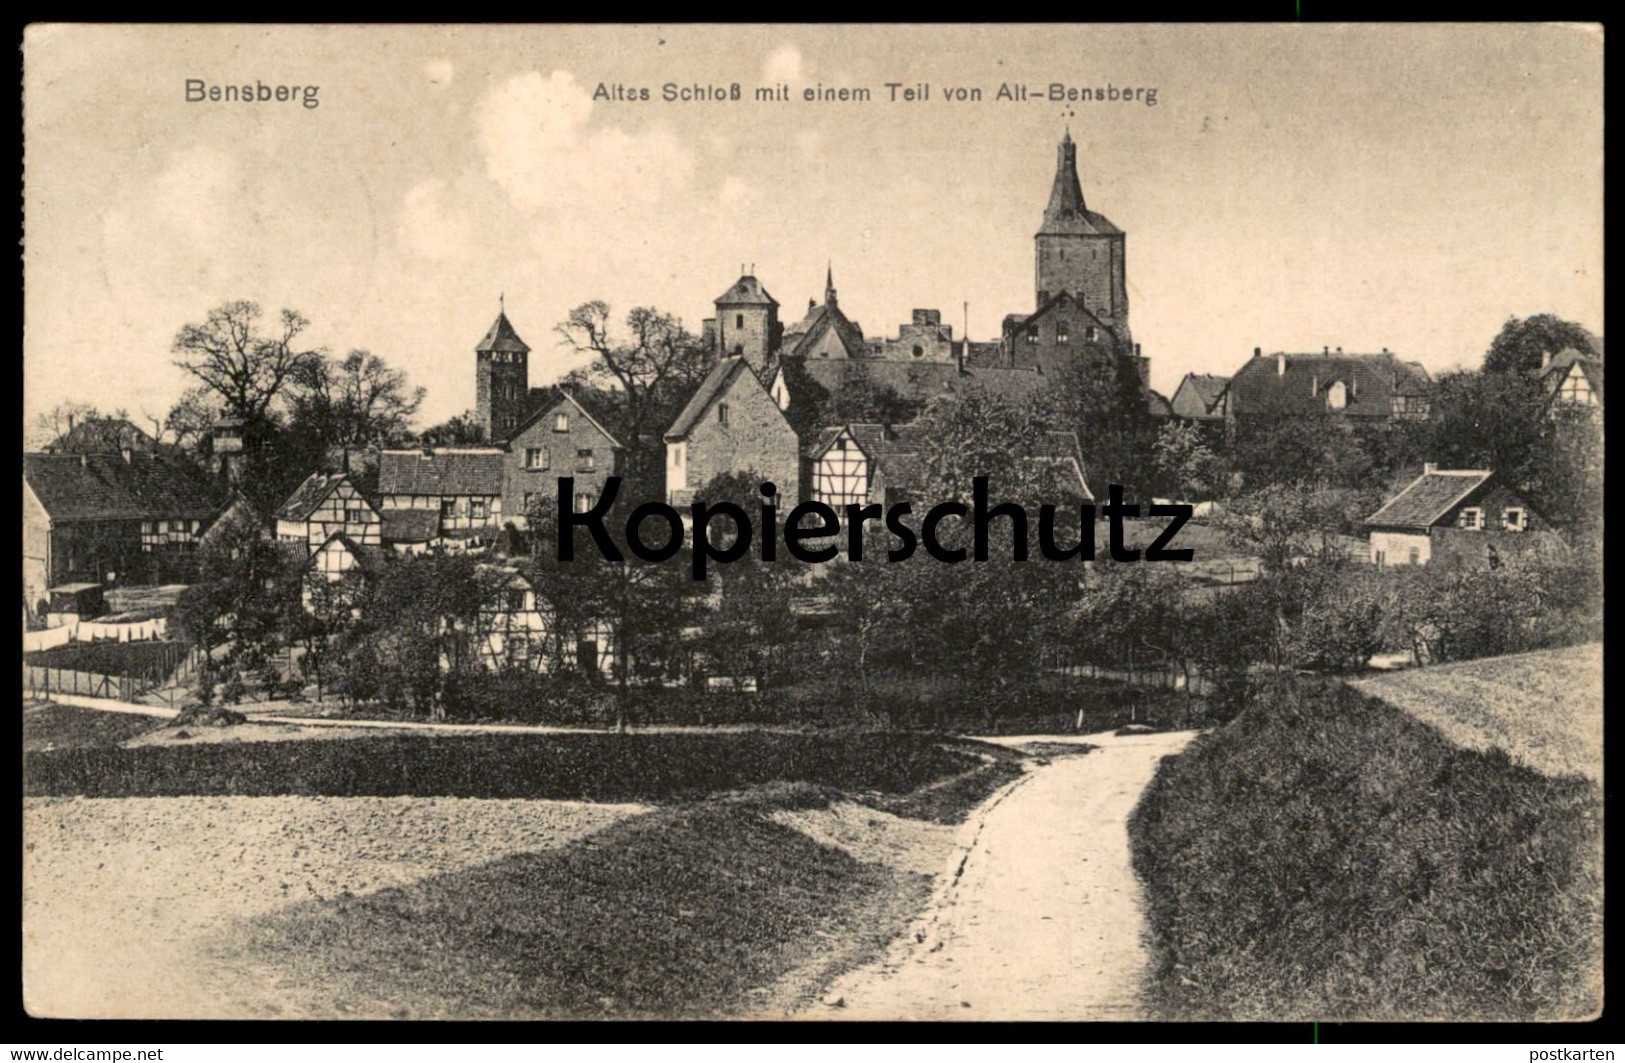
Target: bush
1328 857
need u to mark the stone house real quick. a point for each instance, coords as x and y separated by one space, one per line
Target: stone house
559 439
1361 388
1465 513
731 424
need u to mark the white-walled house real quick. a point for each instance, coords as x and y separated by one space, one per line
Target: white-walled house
1460 511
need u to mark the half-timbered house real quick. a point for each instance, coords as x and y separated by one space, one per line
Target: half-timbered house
462 485
325 505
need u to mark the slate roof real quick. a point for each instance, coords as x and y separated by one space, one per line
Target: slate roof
922 381
716 383
548 400
898 449
1203 389
1373 380
409 525
1157 404
502 337
75 487
1066 212
819 320
440 472
746 291
1429 498
309 496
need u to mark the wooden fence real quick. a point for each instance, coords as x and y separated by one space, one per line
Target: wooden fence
161 678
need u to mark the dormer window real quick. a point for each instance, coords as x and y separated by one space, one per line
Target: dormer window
1337 395
1471 519
561 422
1513 519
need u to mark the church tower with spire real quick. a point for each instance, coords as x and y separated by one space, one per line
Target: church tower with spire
1078 251
501 378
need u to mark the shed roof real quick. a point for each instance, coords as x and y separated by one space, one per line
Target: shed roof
1429 498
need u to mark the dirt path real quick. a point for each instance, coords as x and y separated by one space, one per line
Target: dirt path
1044 920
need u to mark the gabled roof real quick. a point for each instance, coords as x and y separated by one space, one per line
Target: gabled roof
1157 404
441 472
309 496
549 405
1374 380
746 291
106 487
1564 362
368 558
1429 498
502 337
1206 388
717 383
920 382
820 320
409 525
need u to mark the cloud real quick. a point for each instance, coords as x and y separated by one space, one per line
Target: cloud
431 227
538 147
440 71
783 65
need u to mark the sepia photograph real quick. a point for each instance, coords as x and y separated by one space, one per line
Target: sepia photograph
1084 523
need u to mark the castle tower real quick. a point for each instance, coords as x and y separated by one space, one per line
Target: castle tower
748 323
501 379
1079 251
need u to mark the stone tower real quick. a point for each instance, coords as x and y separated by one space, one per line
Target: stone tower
1079 251
501 379
748 324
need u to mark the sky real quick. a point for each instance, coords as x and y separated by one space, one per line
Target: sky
1293 187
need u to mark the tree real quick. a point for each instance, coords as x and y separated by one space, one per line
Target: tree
462 430
653 371
1099 395
1296 446
417 621
355 401
1521 343
189 425
1185 464
245 366
1281 521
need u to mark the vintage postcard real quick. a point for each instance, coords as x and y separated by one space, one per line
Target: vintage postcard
825 522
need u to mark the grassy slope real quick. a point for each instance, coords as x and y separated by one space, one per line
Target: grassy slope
1543 708
704 910
1327 857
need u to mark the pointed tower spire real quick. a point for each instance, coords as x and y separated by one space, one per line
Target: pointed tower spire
1066 207
829 284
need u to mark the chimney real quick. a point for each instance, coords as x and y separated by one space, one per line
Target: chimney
1385 350
1280 363
1258 352
70 417
1428 467
1339 350
1326 350
1545 363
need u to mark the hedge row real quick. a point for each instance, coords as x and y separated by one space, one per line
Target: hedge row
595 767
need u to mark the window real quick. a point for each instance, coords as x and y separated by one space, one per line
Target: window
1032 333
584 460
739 321
1060 332
476 509
1382 558
1512 518
1416 555
840 444
517 648
516 599
584 501
448 508
536 458
722 414
1471 518
677 456
561 422
352 515
1091 334
530 500
919 352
